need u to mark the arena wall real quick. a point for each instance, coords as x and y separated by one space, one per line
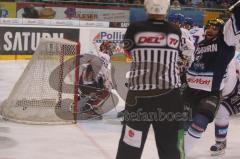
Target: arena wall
19 38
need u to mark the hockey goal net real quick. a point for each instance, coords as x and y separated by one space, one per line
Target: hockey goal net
48 85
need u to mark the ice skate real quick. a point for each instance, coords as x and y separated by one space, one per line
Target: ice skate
218 148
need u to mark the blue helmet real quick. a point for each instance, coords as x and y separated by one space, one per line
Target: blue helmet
178 17
188 21
171 17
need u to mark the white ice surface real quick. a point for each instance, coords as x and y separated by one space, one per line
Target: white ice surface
86 140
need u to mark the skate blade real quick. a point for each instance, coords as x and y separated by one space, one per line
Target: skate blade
219 153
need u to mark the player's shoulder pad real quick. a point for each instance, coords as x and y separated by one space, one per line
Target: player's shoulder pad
194 30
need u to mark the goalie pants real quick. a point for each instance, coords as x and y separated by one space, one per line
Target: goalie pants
160 109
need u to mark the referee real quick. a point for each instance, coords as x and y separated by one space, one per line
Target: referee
153 97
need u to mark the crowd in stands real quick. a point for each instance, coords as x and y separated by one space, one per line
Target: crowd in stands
181 3
203 3
176 4
193 3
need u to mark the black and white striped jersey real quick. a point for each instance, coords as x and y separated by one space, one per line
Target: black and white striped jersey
154 47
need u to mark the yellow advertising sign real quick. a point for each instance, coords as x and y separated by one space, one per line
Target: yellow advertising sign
15 57
8 10
210 15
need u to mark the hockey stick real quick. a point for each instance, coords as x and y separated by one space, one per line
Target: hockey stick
111 94
233 6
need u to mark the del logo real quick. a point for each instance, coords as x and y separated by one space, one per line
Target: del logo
198 81
130 133
116 37
157 39
150 39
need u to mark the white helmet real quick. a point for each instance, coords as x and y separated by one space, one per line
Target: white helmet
157 6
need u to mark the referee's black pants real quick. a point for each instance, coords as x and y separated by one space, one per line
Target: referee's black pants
160 108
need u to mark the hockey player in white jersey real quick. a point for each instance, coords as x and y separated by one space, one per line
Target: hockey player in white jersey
179 21
95 82
197 34
104 75
230 105
187 40
187 44
188 23
206 75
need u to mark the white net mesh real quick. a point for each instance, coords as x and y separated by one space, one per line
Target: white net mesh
47 87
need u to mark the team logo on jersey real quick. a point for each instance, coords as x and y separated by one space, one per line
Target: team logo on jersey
150 39
157 39
198 65
206 49
173 40
198 81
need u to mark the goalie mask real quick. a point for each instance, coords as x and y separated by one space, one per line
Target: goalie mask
108 47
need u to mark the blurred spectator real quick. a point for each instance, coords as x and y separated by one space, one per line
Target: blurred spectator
182 2
225 15
176 5
189 4
137 2
200 5
196 2
30 12
224 5
209 3
47 13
